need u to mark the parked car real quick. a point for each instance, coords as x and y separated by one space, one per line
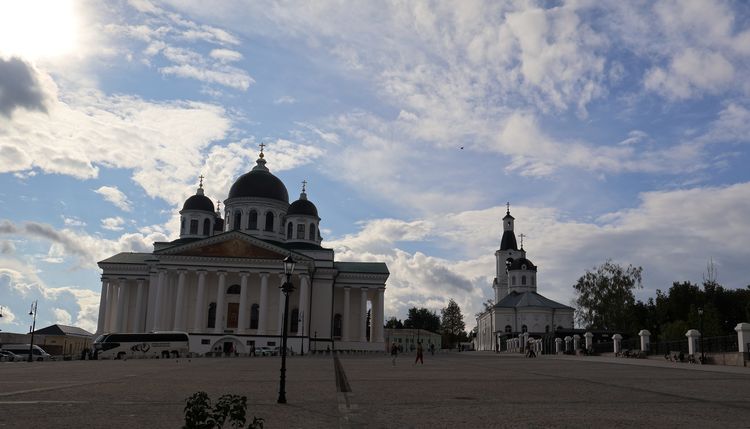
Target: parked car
22 352
277 351
263 351
8 356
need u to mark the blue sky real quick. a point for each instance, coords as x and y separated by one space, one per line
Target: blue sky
615 129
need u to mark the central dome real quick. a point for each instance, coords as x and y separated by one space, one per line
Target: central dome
259 183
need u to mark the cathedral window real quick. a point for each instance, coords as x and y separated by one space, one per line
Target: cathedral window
523 280
508 329
294 322
269 221
312 232
289 229
193 226
252 221
237 220
254 316
337 326
300 231
207 227
212 315
524 328
234 290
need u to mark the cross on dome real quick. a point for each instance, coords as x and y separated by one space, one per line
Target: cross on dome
200 185
507 207
521 236
262 145
304 183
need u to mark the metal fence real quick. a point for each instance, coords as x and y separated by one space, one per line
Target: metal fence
726 344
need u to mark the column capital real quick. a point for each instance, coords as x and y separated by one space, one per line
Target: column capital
244 273
182 271
105 278
347 287
221 272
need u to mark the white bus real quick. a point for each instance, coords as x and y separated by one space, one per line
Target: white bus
145 345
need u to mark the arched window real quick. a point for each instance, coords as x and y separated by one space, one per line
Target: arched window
252 221
234 290
269 221
289 230
337 326
237 220
312 232
254 315
508 329
207 227
294 322
212 315
513 280
194 226
523 280
182 224
300 231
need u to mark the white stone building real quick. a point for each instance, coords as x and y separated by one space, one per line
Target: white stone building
220 281
518 307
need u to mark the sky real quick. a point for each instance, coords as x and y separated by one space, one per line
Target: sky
616 130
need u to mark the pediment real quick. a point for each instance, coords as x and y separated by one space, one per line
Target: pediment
232 248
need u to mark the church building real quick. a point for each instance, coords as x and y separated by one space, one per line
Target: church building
518 307
220 281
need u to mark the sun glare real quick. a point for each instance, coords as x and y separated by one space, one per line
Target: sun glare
37 28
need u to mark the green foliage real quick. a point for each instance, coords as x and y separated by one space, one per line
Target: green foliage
394 323
604 298
452 327
231 409
422 318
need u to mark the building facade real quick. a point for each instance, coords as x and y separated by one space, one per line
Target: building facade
220 281
518 307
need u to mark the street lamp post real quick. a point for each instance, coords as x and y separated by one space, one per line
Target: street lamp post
1 313
32 312
286 288
703 355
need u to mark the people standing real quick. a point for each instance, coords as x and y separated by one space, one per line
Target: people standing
394 353
420 357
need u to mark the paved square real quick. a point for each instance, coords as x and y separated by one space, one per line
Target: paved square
449 390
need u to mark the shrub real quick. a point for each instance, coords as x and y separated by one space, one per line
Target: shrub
231 409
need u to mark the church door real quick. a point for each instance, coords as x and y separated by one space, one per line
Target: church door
233 312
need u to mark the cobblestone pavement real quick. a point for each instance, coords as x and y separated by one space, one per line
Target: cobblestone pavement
450 390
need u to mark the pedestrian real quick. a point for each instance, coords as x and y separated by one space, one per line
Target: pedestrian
394 353
420 357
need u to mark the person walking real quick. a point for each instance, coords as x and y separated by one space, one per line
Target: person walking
394 353
420 357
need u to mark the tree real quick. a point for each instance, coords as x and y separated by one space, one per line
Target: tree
452 326
422 318
604 298
394 323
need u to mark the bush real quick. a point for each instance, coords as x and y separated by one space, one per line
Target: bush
200 414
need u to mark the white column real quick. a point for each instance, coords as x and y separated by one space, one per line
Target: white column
220 303
304 285
589 341
616 343
743 339
139 314
111 317
645 340
363 314
282 279
347 310
153 279
159 305
200 306
100 325
242 321
120 326
558 345
263 310
693 335
379 311
179 305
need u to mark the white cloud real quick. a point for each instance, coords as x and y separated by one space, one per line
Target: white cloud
285 99
62 316
690 73
115 196
225 55
113 223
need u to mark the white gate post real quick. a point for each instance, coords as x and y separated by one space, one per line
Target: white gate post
568 345
589 341
645 340
743 342
617 338
558 345
577 343
692 336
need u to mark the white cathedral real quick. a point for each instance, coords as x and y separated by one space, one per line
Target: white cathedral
518 307
220 281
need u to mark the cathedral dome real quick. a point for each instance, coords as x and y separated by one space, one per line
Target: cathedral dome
199 201
302 206
259 183
521 264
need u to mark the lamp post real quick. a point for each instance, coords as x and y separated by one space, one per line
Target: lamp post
32 312
1 313
700 313
286 288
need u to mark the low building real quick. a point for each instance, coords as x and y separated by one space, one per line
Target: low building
407 339
63 340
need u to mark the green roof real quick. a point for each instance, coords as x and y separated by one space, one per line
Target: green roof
362 267
128 258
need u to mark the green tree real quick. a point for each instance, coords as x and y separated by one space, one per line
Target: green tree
452 327
394 323
422 318
605 299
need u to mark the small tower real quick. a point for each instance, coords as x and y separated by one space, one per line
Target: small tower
197 217
505 256
302 221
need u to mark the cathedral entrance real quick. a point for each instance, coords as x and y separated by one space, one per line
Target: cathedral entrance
233 312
